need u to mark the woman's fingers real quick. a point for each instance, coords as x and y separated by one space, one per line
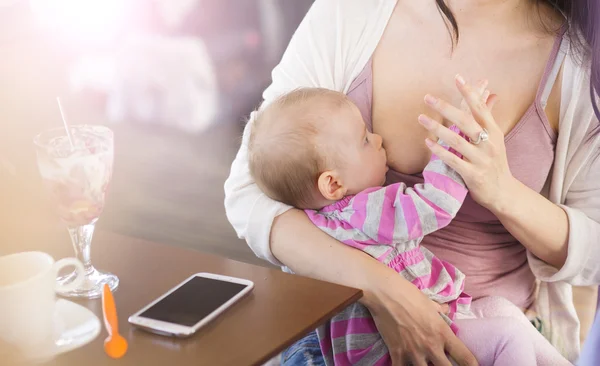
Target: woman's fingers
449 137
444 309
412 328
480 88
491 101
457 350
486 96
436 353
479 108
418 362
399 360
462 119
439 359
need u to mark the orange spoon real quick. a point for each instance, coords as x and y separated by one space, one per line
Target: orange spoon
114 345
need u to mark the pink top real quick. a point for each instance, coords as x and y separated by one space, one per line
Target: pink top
494 262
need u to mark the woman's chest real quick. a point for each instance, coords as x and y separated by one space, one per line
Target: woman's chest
405 69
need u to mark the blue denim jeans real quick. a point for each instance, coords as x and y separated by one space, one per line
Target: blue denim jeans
305 352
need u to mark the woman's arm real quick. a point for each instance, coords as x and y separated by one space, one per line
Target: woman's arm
540 225
308 251
407 319
582 206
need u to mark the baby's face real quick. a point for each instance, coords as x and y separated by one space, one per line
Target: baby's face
361 156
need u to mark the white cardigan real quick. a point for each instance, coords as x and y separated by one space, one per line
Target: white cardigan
331 46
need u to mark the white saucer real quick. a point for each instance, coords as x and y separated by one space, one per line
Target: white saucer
75 326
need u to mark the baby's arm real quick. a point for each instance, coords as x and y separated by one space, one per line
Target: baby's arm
398 213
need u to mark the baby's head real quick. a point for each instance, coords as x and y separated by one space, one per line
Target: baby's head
310 148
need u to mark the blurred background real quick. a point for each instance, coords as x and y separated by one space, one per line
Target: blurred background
174 79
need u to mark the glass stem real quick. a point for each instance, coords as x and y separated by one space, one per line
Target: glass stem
81 236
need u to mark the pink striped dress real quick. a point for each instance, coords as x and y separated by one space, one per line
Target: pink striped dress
388 223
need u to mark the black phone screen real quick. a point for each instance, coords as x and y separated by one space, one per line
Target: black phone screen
193 301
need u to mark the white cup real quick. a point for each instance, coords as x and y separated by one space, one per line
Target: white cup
27 302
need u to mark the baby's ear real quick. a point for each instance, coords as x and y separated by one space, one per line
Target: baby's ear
331 186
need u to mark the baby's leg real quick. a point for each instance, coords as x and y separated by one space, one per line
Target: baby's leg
497 341
500 308
497 307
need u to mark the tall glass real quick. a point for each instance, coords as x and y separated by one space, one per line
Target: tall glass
77 177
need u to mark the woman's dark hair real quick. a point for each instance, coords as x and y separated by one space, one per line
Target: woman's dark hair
583 17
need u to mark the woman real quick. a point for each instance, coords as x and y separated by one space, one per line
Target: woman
540 219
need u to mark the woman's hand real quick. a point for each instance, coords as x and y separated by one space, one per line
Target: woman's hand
412 328
484 166
526 214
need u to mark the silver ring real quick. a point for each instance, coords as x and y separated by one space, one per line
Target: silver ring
483 136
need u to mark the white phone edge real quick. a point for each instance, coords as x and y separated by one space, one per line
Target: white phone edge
177 330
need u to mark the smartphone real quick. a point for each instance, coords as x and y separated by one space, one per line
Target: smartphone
187 307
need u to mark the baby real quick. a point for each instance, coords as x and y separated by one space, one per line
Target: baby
311 149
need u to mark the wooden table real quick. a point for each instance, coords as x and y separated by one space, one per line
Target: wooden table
280 310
